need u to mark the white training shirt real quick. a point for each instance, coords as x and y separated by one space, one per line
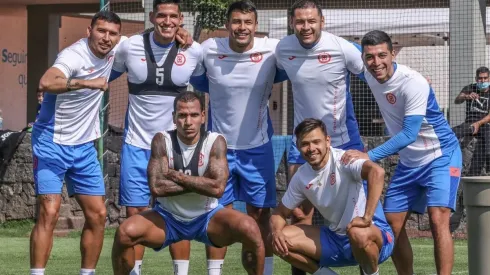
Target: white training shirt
408 93
240 85
336 190
321 84
73 117
188 206
149 114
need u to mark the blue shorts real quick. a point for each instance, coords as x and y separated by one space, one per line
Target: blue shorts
177 230
294 156
252 178
434 184
76 164
337 251
133 185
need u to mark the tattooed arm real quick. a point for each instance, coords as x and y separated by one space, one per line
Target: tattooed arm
158 171
213 182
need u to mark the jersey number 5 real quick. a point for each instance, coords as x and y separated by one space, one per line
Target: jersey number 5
159 78
187 172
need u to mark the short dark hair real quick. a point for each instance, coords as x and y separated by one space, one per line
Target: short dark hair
482 70
244 6
105 15
305 4
376 37
160 2
309 125
188 97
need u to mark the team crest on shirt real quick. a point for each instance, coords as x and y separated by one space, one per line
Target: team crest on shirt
256 57
324 58
201 159
179 59
391 98
332 179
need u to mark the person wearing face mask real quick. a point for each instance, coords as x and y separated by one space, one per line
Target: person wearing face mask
476 96
62 140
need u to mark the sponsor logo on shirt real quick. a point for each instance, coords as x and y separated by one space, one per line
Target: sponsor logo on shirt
324 58
222 56
309 185
391 98
143 59
256 57
90 70
291 57
179 59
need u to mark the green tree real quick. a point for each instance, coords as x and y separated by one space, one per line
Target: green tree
208 14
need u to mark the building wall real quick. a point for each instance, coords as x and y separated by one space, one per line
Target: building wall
13 66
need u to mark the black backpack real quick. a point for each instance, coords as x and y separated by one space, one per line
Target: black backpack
9 141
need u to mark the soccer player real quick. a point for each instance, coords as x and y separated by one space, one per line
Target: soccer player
319 65
357 233
157 70
62 140
240 72
429 169
187 173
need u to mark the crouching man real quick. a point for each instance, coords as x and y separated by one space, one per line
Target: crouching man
187 173
357 231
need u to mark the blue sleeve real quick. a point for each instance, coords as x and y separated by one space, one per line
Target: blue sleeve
281 76
408 135
361 75
115 75
200 83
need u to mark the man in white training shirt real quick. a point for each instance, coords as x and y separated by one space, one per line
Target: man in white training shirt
187 173
357 231
240 72
62 140
430 164
319 65
157 69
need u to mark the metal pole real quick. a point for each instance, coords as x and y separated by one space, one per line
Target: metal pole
102 114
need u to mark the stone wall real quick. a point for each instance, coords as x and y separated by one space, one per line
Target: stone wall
17 195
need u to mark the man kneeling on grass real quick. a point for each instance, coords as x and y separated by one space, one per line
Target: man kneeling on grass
187 173
357 232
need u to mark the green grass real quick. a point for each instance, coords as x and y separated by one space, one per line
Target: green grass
65 257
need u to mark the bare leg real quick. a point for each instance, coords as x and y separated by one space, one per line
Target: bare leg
443 241
139 249
215 253
92 238
366 244
42 234
229 226
402 253
147 228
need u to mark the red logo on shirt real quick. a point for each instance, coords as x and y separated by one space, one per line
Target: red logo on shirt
256 57
143 59
324 58
332 179
222 56
454 171
291 57
179 59
309 185
201 159
391 98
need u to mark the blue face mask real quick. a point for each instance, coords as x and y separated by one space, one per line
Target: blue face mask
482 85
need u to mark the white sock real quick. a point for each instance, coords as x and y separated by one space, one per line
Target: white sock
137 268
215 266
86 271
269 265
37 271
181 267
325 271
375 273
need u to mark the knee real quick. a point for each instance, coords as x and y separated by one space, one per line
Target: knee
49 216
396 223
439 217
250 230
96 217
126 234
359 238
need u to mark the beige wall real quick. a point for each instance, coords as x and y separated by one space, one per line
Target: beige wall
13 66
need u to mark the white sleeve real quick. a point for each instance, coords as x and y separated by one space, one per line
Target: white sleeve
69 62
355 169
293 196
200 69
416 92
353 56
121 56
277 55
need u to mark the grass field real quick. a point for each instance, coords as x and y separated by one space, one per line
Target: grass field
65 257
